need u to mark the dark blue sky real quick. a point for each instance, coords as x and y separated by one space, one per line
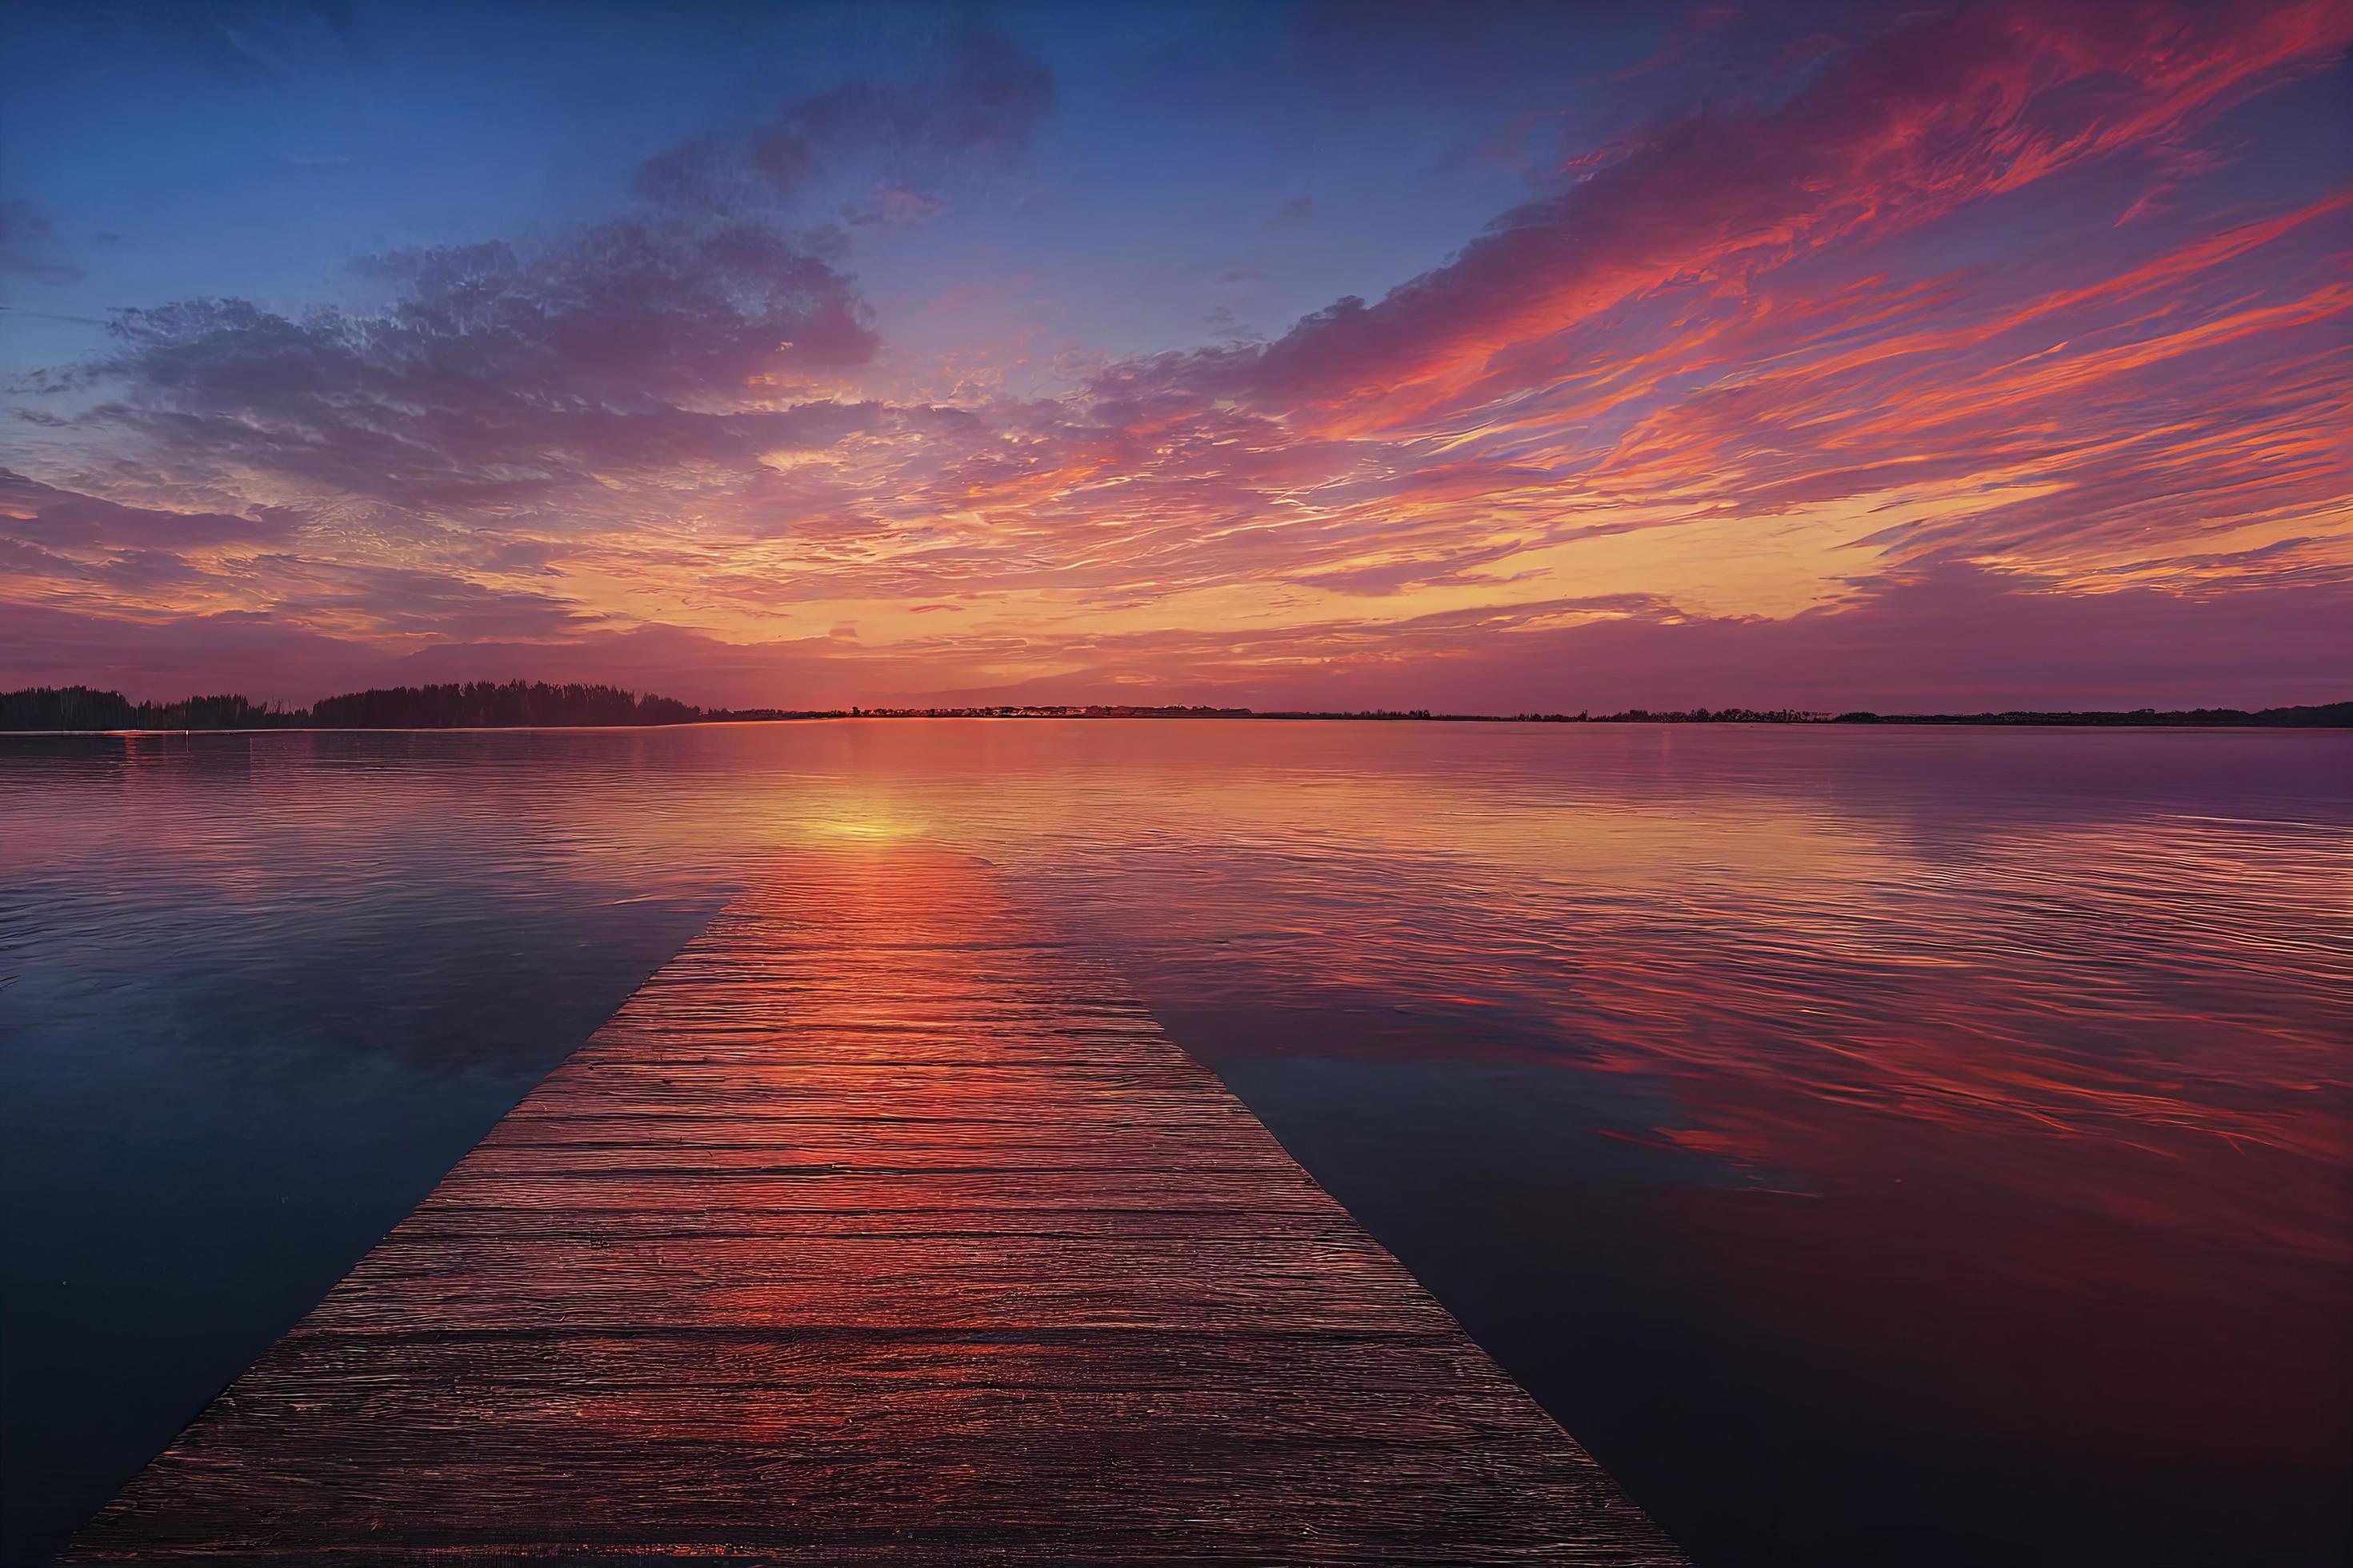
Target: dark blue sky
1319 150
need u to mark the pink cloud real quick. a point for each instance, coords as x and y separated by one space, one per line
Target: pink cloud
1891 310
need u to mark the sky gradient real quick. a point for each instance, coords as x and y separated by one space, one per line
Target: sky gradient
1489 358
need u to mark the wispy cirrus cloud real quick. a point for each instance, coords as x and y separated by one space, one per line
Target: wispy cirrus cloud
629 346
29 245
46 515
1939 112
978 99
1898 344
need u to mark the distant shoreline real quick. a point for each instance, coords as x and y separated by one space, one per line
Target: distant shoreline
518 705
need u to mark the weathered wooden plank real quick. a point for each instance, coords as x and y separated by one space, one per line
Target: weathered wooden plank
877 1227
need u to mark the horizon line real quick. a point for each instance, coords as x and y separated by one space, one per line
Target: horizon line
650 711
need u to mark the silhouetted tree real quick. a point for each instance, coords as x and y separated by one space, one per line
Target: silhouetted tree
82 708
490 704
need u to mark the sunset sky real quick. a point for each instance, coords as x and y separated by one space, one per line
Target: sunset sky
1481 357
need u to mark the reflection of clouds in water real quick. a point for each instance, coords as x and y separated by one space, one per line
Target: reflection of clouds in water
1608 1128
1762 946
1908 1051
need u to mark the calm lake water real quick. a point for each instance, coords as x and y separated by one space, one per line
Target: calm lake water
1892 1145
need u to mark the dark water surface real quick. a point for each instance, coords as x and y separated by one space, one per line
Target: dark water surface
1879 1146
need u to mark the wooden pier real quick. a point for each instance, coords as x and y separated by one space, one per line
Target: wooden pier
877 1227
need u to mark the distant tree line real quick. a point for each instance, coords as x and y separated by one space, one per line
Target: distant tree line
488 704
1708 716
479 704
82 708
2315 716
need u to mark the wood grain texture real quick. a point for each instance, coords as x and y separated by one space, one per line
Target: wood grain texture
877 1227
